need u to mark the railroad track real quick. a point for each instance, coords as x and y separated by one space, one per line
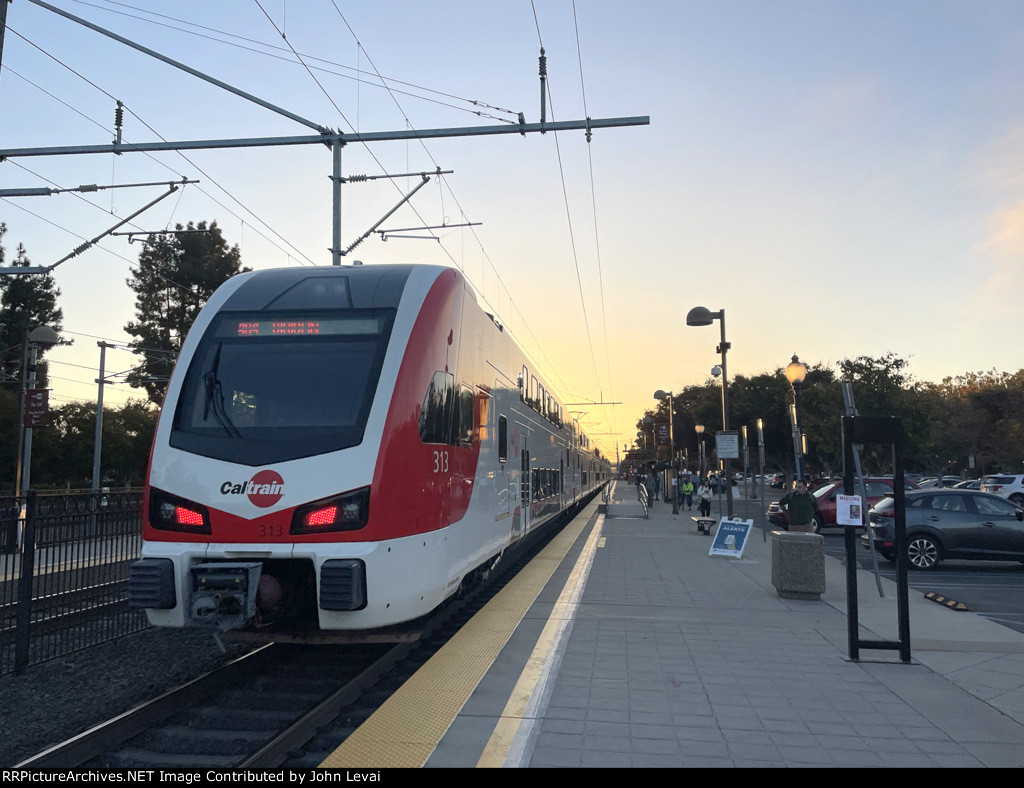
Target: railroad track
281 705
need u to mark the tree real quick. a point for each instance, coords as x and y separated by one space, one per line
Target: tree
979 414
177 274
26 301
63 452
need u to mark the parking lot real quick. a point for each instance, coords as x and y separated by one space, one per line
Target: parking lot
993 589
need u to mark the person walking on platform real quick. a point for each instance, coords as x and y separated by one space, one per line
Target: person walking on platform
687 491
799 506
704 498
657 484
651 487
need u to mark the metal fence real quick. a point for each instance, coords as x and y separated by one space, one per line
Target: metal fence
63 573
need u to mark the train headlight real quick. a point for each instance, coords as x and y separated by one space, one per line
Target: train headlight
346 512
170 513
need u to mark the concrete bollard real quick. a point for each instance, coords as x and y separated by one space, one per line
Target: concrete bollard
798 564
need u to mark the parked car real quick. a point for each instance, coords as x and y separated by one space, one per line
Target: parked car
970 484
950 523
939 481
1005 485
778 481
876 487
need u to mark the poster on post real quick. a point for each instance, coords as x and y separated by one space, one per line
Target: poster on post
849 510
731 537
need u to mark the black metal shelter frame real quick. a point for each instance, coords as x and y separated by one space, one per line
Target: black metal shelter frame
877 429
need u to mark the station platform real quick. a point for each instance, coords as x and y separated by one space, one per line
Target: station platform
624 644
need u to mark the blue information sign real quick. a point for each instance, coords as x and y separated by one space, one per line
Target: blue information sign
731 537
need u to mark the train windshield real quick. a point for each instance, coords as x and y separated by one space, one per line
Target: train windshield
266 388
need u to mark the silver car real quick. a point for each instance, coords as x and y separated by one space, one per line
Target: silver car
950 523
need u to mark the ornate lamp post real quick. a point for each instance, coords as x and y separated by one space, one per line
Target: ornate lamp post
796 372
702 316
699 429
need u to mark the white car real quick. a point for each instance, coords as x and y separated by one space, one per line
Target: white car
1007 485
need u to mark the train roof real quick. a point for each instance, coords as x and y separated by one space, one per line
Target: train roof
353 287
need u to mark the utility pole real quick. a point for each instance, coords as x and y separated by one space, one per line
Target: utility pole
97 441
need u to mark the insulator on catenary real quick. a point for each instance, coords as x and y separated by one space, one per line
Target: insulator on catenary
543 63
118 123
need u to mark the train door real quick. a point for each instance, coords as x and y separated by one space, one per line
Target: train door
525 493
561 483
505 483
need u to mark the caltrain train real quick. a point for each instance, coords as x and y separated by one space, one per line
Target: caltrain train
342 449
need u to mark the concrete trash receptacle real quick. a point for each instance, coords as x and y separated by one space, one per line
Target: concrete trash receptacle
798 565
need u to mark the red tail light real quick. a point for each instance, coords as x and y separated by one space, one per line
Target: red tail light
185 516
324 516
171 513
346 512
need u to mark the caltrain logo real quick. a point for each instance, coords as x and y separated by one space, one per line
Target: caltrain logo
264 489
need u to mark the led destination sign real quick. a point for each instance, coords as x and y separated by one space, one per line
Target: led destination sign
279 327
254 328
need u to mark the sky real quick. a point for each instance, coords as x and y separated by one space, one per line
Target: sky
842 178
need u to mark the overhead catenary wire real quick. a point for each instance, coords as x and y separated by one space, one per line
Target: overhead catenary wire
502 285
310 58
593 202
131 263
337 108
568 212
447 252
128 145
548 366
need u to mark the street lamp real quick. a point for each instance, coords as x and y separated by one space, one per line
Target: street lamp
699 429
661 394
702 316
796 372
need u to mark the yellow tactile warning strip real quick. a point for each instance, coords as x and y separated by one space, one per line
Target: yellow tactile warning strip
404 731
506 746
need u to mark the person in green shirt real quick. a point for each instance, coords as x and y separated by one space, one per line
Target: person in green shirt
799 506
687 491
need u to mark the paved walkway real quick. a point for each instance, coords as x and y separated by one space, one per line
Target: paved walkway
674 658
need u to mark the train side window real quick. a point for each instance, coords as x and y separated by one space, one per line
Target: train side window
502 439
436 413
465 422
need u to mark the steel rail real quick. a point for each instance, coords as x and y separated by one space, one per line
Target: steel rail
79 749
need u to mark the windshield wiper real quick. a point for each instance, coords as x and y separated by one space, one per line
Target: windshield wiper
215 399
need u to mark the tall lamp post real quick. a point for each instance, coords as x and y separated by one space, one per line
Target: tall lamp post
702 316
699 429
796 372
661 394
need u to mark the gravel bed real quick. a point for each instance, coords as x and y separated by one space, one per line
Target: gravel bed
56 700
